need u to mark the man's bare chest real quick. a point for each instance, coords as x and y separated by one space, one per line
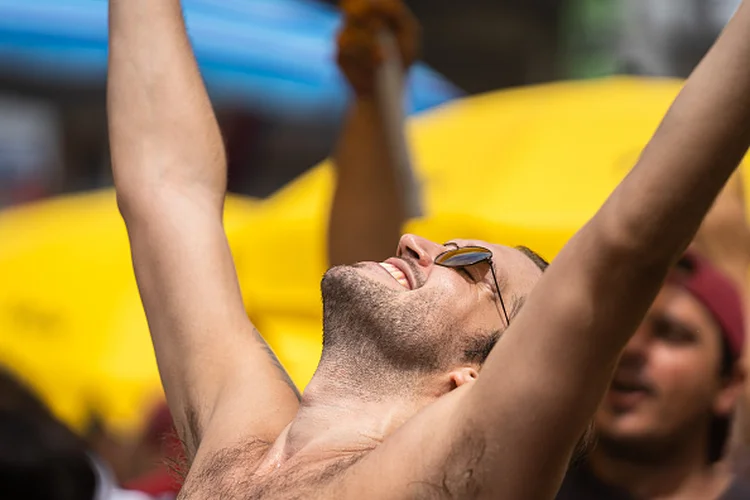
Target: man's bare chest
224 478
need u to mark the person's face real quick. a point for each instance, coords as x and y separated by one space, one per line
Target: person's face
420 310
668 382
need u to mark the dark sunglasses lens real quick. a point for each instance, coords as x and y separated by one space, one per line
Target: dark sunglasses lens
463 257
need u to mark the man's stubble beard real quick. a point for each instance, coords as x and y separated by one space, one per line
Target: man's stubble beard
651 448
380 331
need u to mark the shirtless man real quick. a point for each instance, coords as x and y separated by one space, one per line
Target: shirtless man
397 407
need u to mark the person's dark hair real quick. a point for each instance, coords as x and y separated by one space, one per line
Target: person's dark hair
720 426
535 257
40 458
479 347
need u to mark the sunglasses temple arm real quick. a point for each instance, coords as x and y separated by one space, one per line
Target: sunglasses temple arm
500 295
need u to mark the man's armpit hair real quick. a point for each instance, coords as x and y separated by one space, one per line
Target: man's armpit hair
189 434
226 472
584 446
458 477
275 360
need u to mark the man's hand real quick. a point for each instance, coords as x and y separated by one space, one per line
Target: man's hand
360 51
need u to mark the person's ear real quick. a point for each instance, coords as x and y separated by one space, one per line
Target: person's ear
731 390
463 375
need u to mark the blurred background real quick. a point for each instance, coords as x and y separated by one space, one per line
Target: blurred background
270 70
269 66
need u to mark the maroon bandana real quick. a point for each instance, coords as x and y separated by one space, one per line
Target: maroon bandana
717 293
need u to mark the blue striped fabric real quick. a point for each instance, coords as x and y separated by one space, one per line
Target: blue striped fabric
275 56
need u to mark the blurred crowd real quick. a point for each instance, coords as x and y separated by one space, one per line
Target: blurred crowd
672 425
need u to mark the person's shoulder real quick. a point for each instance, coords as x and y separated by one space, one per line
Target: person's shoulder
581 484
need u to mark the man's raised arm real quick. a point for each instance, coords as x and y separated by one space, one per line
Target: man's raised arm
511 433
170 177
556 359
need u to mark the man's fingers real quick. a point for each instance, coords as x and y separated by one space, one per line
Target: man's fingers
396 15
391 14
358 12
373 16
404 26
360 51
358 47
358 56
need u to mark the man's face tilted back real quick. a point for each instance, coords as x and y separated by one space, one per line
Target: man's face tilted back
411 316
675 378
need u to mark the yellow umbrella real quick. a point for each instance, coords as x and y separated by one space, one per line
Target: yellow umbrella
71 322
526 166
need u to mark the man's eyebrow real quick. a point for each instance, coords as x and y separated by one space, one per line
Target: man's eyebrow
451 243
678 324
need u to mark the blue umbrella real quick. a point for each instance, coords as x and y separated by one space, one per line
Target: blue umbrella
272 56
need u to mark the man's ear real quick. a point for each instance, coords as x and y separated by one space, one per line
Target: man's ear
732 389
463 375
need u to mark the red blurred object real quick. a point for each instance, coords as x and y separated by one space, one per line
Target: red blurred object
159 483
160 438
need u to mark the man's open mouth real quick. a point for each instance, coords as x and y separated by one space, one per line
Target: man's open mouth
625 385
397 274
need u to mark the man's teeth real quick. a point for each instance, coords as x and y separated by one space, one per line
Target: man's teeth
396 273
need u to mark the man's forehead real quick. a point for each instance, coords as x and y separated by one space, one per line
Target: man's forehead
683 308
676 299
510 263
498 251
469 242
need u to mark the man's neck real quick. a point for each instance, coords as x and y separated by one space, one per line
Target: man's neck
334 422
683 474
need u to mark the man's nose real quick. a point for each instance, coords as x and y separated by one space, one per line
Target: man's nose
422 250
636 350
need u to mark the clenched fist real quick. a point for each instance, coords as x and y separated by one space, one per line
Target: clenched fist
359 49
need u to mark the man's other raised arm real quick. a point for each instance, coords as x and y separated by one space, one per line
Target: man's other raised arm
170 177
556 359
371 200
510 434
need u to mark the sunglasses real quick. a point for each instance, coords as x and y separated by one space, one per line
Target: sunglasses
461 257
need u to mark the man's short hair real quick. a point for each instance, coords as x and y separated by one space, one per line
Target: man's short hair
535 257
